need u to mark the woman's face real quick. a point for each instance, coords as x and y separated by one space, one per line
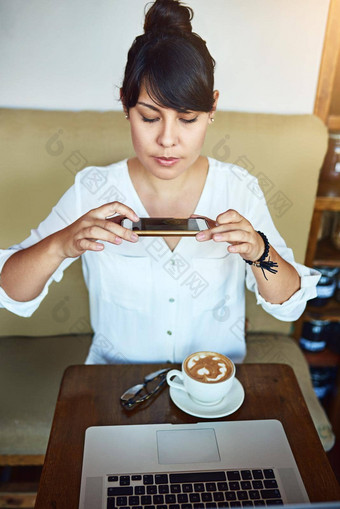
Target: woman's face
167 142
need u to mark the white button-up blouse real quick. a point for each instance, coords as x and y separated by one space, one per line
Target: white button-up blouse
151 304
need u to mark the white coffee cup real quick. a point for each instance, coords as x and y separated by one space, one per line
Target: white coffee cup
206 377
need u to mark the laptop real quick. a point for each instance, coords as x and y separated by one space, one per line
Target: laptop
203 465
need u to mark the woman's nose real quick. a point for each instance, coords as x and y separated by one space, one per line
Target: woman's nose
168 135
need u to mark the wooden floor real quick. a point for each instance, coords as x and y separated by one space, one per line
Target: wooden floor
19 486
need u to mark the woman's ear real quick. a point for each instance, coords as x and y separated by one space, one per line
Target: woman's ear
126 111
216 95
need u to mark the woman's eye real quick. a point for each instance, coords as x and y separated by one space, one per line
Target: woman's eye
191 121
145 119
184 120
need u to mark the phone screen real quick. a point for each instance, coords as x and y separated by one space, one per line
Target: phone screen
166 225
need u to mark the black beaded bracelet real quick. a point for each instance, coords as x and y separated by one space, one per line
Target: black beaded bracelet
261 262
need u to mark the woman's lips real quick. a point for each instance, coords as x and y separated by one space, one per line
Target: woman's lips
167 161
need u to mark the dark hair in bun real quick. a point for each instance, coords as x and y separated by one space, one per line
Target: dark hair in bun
168 15
171 61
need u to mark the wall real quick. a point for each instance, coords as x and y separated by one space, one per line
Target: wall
71 54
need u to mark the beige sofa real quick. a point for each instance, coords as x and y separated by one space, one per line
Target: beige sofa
40 153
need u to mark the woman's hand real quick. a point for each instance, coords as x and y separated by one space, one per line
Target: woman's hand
96 225
238 232
244 240
26 272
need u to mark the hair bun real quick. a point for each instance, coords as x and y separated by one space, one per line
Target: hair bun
166 16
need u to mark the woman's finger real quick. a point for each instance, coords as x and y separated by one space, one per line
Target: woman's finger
120 231
88 245
109 232
110 209
243 249
233 236
230 216
217 232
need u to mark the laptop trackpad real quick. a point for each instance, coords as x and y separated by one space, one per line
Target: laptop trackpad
187 446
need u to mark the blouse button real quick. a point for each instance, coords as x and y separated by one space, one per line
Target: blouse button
169 332
171 300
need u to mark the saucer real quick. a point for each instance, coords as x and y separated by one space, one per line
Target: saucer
229 404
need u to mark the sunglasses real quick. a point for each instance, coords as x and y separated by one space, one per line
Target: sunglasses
151 385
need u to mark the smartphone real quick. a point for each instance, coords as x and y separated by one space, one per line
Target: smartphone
166 226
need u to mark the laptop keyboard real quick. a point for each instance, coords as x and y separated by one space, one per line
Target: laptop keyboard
194 490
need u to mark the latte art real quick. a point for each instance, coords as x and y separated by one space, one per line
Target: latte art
208 367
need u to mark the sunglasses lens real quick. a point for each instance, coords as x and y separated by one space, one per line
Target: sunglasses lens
155 374
132 392
154 384
141 392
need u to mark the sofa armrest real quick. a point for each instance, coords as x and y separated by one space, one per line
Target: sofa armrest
31 370
263 348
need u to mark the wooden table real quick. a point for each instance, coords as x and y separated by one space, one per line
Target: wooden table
89 396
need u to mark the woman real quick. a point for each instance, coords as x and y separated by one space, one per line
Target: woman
161 299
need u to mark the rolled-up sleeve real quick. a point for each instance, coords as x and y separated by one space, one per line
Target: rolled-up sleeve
63 214
27 308
291 309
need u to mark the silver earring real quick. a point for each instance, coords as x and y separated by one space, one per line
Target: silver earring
212 119
126 116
